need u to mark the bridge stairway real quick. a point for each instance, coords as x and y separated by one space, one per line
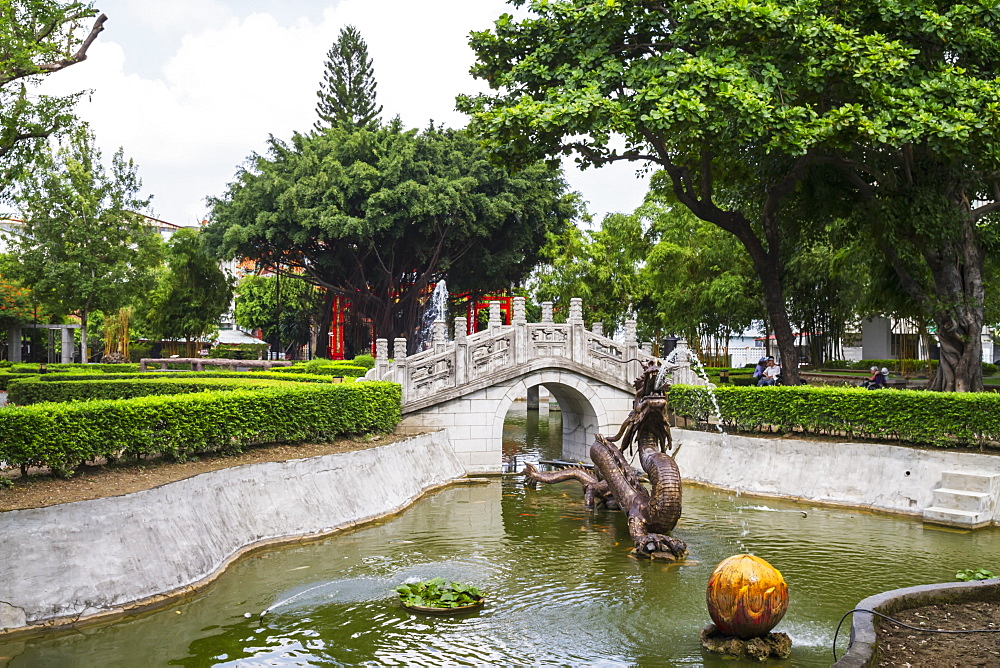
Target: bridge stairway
965 499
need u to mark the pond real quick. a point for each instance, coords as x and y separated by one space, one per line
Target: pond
562 588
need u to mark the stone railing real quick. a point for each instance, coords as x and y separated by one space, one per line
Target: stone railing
475 358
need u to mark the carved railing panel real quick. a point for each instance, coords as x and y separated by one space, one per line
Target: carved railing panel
493 354
606 355
548 340
430 374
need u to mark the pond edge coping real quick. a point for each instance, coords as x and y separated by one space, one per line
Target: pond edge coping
434 443
864 638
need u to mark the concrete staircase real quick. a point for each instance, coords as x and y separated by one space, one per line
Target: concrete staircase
965 499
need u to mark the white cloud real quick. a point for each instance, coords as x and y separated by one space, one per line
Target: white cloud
216 81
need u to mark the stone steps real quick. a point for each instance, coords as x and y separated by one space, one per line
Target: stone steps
965 499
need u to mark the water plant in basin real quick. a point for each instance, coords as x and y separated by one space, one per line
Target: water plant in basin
439 594
970 574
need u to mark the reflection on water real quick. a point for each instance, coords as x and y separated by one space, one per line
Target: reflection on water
562 589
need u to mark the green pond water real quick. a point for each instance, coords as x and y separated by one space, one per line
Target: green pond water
562 588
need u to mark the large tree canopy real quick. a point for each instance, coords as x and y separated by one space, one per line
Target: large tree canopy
740 101
379 214
38 37
82 246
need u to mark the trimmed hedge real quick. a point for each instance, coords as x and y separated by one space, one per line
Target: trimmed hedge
7 379
944 419
78 368
62 436
343 369
34 390
239 351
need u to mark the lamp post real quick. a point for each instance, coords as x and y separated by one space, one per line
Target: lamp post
669 345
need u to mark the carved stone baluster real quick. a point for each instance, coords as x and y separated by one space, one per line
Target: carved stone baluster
597 328
439 335
495 317
647 347
520 323
461 351
631 351
577 339
546 311
381 358
400 368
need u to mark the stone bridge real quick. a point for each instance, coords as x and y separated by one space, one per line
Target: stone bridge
467 385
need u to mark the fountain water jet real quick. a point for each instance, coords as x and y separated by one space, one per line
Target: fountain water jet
437 310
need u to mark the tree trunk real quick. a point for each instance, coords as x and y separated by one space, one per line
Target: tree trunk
322 347
957 270
784 337
955 301
83 336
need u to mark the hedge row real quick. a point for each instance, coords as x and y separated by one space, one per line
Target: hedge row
34 390
62 436
78 368
897 366
6 380
342 369
945 419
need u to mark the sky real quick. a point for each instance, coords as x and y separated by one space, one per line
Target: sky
190 88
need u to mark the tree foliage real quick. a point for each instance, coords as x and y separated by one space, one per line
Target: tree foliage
347 92
378 214
598 266
284 309
739 102
82 246
39 37
697 282
192 294
661 266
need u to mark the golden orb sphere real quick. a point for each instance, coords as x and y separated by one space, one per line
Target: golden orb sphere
747 596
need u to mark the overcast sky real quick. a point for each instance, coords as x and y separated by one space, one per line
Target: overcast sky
190 88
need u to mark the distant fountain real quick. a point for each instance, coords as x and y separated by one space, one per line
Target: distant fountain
693 368
437 310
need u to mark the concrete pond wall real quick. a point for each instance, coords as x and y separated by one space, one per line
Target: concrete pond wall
79 560
867 475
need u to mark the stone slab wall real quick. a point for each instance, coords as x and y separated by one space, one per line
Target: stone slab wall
868 475
93 557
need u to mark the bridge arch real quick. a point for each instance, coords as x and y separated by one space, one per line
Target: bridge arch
474 420
583 410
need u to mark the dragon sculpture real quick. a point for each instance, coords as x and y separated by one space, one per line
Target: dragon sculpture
651 514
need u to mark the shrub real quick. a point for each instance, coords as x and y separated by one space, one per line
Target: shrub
323 367
315 366
239 351
367 361
62 436
934 418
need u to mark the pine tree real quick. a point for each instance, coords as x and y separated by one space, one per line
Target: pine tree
347 93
